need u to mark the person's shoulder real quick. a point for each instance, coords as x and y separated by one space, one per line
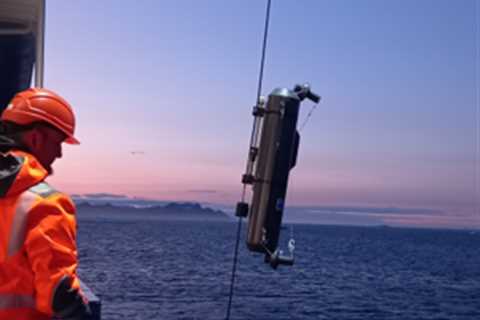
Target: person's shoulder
47 194
43 189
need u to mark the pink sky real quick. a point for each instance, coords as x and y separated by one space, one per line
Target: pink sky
398 124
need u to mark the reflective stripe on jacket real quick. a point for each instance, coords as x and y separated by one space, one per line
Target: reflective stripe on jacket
37 239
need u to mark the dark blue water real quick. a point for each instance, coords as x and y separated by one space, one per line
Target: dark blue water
181 270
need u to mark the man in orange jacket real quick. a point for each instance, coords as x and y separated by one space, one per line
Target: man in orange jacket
38 253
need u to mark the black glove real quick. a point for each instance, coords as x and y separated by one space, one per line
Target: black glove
68 303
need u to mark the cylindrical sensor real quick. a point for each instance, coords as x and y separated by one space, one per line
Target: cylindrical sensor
276 156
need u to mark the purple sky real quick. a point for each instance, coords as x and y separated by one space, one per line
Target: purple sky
398 124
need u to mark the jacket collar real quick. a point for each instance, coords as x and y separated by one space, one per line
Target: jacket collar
19 171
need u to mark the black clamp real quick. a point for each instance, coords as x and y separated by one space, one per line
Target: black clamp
258 111
242 209
303 91
248 179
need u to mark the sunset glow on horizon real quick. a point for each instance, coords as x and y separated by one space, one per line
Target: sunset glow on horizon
163 94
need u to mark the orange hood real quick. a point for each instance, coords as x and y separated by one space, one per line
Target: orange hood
18 172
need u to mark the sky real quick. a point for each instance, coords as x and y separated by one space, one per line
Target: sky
174 82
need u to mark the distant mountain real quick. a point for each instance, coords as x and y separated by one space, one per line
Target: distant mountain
170 211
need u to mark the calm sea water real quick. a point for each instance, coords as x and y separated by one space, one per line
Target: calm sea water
181 270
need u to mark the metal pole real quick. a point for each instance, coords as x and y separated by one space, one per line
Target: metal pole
40 45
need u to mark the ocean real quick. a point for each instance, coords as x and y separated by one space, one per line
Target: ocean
164 269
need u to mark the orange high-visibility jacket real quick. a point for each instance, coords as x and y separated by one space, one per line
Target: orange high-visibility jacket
37 239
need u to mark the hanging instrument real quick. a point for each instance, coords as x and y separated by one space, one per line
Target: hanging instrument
272 154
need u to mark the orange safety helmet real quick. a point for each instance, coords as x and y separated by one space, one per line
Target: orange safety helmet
39 104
